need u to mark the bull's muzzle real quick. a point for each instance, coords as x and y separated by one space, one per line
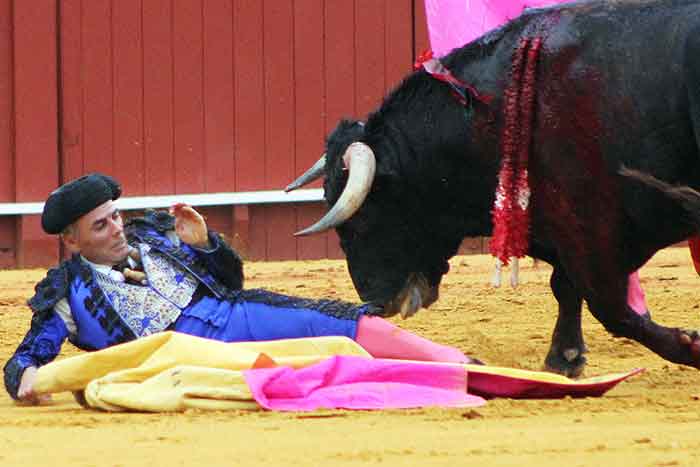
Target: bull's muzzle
415 294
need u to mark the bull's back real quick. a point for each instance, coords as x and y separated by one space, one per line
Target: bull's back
612 89
616 72
626 46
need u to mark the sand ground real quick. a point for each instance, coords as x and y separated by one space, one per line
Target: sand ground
651 420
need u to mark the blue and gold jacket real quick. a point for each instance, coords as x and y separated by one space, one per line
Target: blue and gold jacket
219 270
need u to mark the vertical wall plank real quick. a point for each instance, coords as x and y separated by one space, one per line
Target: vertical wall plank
249 114
158 96
218 97
257 230
278 40
279 92
36 124
399 42
188 108
369 54
71 89
281 224
98 119
240 240
339 59
8 240
249 95
309 115
420 25
314 246
7 129
308 84
339 72
127 71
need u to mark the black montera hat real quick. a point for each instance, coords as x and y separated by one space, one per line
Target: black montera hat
76 198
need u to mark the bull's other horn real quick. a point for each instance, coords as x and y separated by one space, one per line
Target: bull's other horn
361 164
315 172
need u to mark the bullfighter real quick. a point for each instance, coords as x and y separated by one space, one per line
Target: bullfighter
167 271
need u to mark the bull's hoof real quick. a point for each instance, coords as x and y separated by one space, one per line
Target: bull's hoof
570 362
691 340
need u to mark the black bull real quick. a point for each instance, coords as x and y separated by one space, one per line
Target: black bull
617 84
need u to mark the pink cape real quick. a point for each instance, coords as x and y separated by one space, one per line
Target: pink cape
453 23
345 382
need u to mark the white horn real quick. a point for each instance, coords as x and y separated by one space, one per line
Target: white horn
315 172
361 164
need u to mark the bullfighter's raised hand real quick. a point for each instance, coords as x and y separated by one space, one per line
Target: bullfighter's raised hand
190 226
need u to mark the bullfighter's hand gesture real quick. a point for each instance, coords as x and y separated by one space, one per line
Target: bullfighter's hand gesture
190 226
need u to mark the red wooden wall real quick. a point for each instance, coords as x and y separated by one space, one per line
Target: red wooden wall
28 125
7 168
189 96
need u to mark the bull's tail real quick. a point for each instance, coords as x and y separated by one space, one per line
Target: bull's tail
688 198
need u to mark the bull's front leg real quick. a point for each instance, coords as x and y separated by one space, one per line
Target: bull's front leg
565 354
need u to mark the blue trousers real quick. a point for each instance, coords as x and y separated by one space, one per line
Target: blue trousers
239 321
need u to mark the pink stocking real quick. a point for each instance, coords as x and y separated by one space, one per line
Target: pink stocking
384 340
635 294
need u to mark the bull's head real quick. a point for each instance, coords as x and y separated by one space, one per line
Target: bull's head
395 260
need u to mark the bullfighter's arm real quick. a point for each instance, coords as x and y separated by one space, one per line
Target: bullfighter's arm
220 259
40 346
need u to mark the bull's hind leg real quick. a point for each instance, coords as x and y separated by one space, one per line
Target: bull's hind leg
565 355
674 344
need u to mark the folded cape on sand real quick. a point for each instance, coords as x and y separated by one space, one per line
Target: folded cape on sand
171 372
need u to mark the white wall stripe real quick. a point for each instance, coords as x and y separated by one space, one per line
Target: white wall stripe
201 199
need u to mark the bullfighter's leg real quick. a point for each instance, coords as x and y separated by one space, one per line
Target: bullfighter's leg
565 355
259 315
635 295
383 339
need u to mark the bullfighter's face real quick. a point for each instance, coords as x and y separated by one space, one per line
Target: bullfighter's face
99 236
